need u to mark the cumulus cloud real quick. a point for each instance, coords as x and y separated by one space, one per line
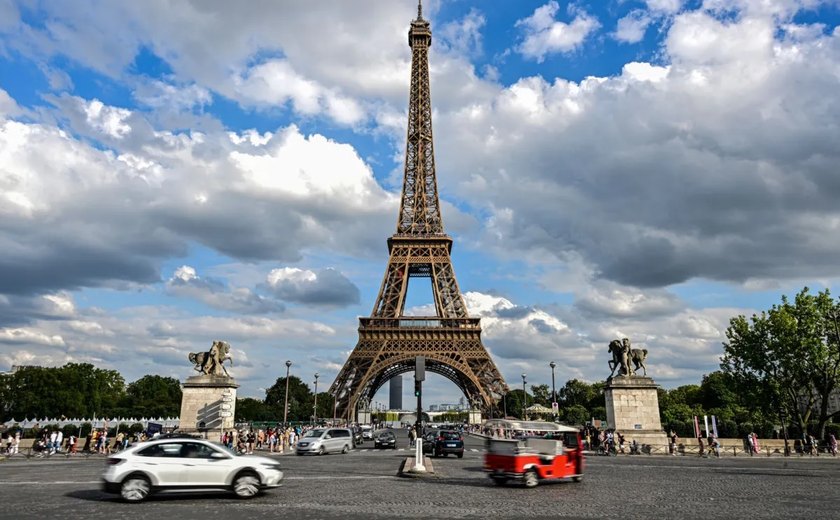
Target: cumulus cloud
325 287
185 282
543 34
631 28
735 130
83 216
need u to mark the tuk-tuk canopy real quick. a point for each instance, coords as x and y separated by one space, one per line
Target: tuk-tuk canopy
528 426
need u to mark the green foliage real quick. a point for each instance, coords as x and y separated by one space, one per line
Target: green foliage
300 398
541 394
249 409
152 396
74 390
788 358
576 415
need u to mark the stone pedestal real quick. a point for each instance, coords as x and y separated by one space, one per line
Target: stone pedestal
208 403
633 409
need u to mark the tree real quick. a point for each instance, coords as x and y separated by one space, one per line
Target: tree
791 353
577 392
516 400
542 395
300 398
153 396
250 409
576 415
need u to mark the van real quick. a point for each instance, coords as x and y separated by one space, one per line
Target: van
325 440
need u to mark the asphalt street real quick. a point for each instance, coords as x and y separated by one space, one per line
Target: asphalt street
363 484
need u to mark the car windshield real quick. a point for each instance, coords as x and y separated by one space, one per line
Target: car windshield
386 435
314 433
450 435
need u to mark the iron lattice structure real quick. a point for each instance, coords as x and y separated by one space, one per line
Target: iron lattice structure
450 340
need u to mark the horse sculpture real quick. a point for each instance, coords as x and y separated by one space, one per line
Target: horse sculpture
623 356
211 362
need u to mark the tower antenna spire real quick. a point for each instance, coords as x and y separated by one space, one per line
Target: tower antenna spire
419 9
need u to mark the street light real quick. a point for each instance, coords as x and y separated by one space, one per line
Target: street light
286 404
315 406
504 403
525 399
553 392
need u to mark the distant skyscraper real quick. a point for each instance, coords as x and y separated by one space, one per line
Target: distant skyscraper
395 401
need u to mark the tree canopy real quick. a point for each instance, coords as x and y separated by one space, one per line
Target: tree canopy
788 357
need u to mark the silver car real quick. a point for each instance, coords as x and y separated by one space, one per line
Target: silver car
325 440
186 463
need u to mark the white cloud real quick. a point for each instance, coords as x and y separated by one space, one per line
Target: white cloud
326 287
186 282
108 120
544 35
631 28
8 106
265 201
665 6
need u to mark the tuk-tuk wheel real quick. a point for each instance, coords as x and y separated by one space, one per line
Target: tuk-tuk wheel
531 478
577 478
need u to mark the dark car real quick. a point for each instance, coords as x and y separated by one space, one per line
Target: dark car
385 439
443 442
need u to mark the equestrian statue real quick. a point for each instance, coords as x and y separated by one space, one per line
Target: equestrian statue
623 356
211 362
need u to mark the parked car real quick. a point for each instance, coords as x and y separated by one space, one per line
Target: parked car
325 440
186 463
443 442
367 432
385 439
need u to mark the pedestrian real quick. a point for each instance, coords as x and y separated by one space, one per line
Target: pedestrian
59 440
674 440
832 444
750 444
620 442
412 436
701 451
71 444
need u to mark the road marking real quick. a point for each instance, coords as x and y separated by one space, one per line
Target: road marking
79 482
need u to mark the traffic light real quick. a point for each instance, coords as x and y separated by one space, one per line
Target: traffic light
417 389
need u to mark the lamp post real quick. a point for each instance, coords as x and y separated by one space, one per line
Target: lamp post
504 403
315 406
524 399
553 393
286 396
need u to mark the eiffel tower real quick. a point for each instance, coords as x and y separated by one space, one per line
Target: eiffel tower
389 341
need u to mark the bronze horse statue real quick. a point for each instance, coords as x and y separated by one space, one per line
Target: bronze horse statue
623 356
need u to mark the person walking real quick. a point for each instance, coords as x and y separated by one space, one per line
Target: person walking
832 444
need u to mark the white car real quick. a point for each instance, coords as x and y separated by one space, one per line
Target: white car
187 464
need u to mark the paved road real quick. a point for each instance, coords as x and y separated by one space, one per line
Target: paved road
362 484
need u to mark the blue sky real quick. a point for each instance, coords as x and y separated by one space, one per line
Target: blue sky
171 175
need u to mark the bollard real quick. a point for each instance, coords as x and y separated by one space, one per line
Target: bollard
734 451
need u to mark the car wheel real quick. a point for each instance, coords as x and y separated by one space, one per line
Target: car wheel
246 485
135 488
345 449
578 478
321 450
531 478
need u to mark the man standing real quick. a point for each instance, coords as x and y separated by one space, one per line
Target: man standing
59 439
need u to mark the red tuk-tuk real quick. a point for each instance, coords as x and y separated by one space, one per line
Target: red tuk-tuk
559 455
